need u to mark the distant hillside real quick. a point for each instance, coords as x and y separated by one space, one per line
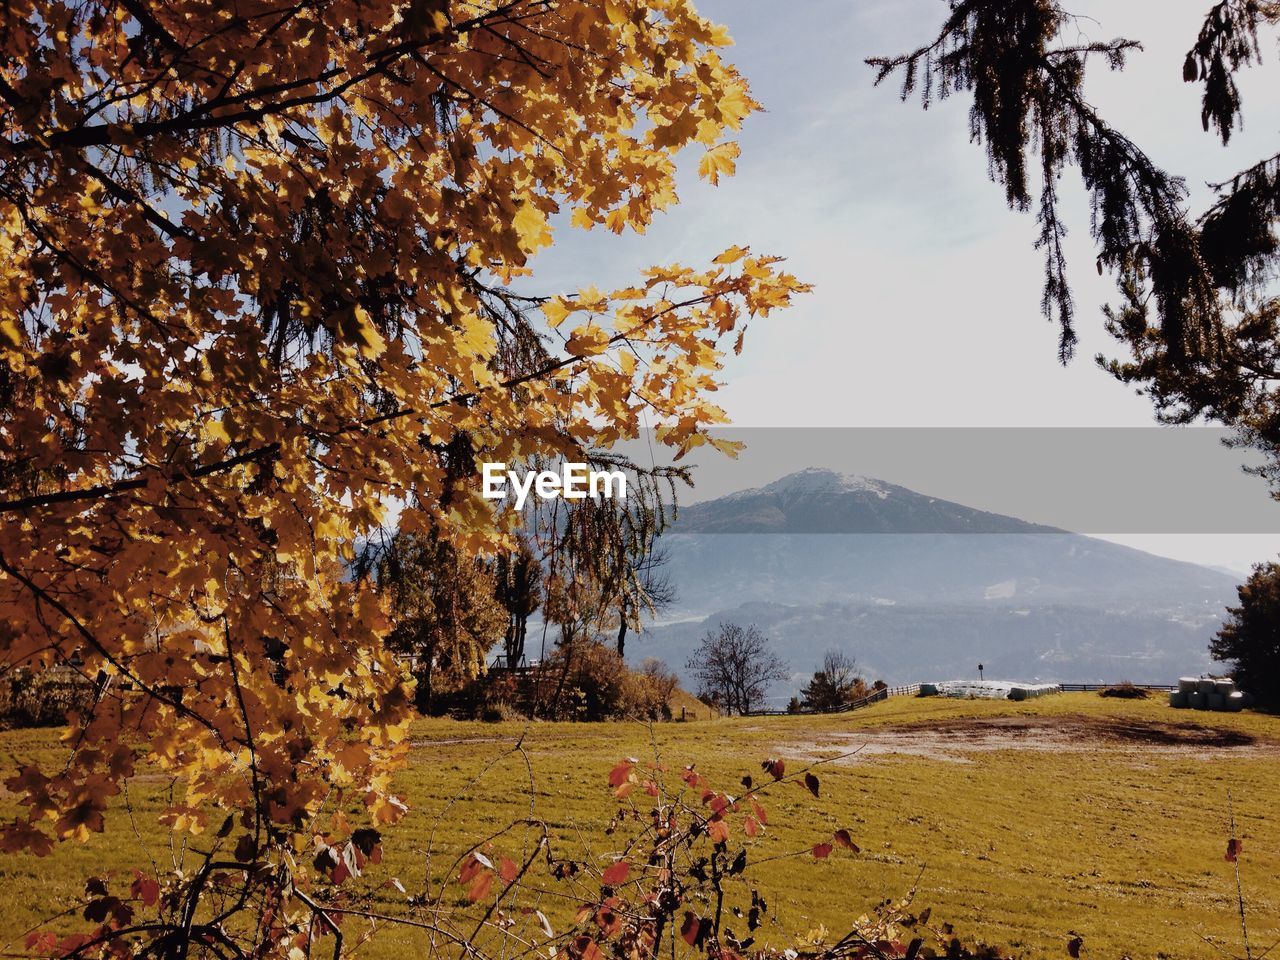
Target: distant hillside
818 536
824 501
922 588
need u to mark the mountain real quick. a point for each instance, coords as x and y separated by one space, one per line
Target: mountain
824 501
918 587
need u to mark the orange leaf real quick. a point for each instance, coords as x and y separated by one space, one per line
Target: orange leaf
481 886
616 874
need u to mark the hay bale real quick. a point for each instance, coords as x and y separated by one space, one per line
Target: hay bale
1178 699
1188 684
1206 685
1196 700
1215 701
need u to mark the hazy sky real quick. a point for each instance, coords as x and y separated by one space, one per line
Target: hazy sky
926 308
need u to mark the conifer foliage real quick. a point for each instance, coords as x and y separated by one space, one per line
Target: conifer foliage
1196 310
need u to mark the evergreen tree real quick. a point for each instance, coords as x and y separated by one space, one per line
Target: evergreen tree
834 686
1250 639
1197 309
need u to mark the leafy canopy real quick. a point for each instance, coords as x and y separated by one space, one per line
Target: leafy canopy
257 294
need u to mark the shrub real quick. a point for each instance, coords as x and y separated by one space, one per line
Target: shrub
1126 691
30 698
597 684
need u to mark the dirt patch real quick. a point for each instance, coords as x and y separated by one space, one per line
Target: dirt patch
955 740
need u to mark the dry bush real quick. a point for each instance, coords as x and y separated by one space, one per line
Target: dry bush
1125 691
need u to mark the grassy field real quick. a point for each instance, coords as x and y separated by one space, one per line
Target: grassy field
1017 822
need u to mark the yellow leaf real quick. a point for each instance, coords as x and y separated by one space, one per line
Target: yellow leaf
721 159
587 341
555 310
214 430
616 219
10 334
530 225
371 344
732 255
617 15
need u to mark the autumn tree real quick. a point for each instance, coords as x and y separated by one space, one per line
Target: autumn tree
257 298
735 666
661 678
1197 308
1250 639
444 610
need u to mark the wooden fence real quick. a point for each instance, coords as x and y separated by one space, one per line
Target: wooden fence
875 696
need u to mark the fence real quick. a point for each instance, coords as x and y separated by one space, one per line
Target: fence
875 696
1094 687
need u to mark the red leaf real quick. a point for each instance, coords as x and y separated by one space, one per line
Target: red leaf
145 889
616 874
694 930
718 831
472 865
822 851
842 838
508 870
1234 847
751 826
775 768
1074 945
481 886
759 812
811 782
619 774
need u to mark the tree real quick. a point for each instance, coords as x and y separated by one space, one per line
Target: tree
657 685
518 575
1250 638
833 686
1197 311
257 297
649 591
444 610
734 667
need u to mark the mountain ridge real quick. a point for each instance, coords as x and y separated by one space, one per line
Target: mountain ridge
842 560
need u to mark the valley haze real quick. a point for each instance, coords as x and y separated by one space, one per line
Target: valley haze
920 588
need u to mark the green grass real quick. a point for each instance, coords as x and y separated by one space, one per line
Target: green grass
1122 844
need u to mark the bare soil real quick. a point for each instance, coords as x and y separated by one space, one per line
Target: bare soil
954 740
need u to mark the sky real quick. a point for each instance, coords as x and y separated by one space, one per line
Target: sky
926 308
